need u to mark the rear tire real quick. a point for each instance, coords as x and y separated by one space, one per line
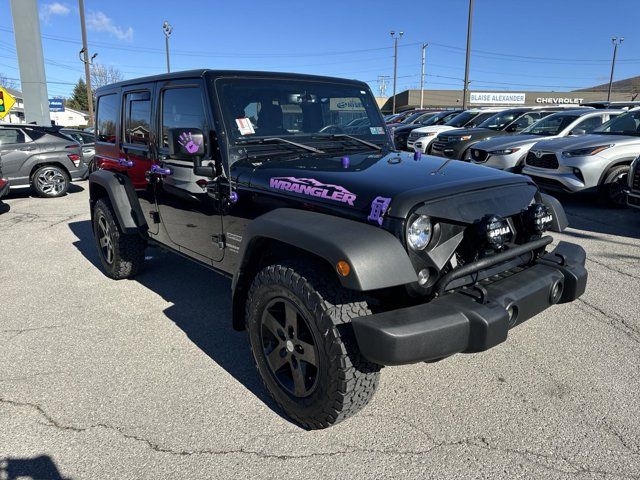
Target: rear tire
121 254
612 188
50 181
304 347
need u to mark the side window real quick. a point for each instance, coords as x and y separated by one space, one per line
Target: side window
106 119
86 138
182 108
11 135
590 124
137 108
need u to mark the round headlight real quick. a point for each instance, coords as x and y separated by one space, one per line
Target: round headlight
419 232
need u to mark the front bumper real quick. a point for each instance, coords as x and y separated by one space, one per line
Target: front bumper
633 199
464 322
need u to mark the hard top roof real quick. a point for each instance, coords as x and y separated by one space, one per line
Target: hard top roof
226 73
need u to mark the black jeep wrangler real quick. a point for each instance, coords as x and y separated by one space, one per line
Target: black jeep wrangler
345 255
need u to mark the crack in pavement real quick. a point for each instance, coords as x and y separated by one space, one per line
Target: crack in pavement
473 442
612 269
615 320
20 331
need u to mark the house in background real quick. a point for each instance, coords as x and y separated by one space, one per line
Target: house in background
67 118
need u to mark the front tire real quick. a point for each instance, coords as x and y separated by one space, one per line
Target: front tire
304 347
613 186
50 181
121 254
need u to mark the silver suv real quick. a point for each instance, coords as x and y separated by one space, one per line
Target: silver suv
508 153
41 158
599 161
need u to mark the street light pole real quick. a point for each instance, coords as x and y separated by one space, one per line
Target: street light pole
167 28
395 65
85 59
466 65
616 41
424 55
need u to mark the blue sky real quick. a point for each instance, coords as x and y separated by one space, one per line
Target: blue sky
517 45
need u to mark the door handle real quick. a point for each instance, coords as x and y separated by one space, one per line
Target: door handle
158 170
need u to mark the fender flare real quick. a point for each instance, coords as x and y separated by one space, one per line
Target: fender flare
377 258
122 196
615 163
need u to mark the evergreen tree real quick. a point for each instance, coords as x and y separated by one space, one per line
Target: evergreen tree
78 99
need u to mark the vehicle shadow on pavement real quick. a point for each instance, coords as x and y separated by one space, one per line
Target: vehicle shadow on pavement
584 213
30 468
29 193
201 307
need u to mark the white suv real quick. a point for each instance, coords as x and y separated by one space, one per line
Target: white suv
420 139
508 153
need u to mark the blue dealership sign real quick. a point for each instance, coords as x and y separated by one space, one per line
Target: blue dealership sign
56 105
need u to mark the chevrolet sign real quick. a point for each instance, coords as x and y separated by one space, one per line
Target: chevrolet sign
559 100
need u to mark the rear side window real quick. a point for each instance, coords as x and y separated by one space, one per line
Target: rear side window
106 119
590 124
11 135
137 118
181 108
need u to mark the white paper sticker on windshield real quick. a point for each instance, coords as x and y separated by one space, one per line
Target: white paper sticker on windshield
245 126
376 130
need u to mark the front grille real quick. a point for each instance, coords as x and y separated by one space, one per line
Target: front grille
438 146
635 184
415 135
549 184
479 155
545 160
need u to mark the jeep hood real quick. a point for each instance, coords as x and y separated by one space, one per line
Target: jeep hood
503 142
584 141
395 176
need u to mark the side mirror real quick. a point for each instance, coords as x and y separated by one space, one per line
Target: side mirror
186 143
578 131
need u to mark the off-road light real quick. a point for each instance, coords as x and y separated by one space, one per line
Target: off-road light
419 232
497 231
539 218
506 151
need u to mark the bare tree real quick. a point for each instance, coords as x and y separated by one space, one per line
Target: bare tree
102 75
7 82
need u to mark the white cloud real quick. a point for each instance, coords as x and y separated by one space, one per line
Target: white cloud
99 22
49 10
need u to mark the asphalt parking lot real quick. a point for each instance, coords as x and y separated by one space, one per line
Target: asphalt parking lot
146 378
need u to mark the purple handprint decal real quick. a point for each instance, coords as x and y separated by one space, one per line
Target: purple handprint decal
190 144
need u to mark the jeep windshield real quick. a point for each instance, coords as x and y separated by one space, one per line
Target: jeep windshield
309 112
626 124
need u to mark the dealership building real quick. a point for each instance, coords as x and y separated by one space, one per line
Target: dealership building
410 99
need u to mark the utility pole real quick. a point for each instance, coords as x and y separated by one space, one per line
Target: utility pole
33 80
167 28
424 55
466 65
85 59
395 64
616 41
382 84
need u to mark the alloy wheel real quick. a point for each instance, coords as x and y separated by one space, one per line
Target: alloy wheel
105 240
289 347
51 181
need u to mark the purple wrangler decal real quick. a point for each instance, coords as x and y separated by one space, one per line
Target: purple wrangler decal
379 207
314 188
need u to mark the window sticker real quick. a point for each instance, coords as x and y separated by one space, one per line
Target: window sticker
245 126
376 130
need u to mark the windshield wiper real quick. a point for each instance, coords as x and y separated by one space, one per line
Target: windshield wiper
336 136
259 141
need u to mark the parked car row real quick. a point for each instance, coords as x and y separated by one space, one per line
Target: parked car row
46 159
